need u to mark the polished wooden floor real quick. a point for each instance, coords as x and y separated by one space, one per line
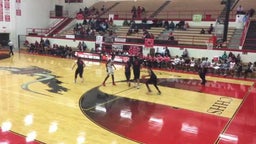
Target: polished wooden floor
39 99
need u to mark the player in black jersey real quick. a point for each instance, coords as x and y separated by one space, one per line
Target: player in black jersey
152 80
127 71
80 68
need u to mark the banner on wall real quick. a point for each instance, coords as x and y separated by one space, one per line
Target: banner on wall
149 42
99 39
197 18
18 9
1 11
7 16
135 50
117 48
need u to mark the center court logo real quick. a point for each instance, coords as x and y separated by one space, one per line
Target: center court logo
42 76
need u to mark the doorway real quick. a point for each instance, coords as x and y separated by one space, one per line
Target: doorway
58 10
4 38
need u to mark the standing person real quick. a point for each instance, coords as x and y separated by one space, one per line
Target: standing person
136 65
80 68
109 67
10 44
127 71
167 52
152 80
203 70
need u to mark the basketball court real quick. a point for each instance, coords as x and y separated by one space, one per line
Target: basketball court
40 103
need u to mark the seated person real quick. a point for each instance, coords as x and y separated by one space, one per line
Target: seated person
144 20
186 26
171 37
130 31
240 10
136 29
26 43
185 53
180 25
202 31
125 23
172 25
249 69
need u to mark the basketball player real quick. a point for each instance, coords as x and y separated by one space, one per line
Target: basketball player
136 65
127 71
80 68
110 71
152 80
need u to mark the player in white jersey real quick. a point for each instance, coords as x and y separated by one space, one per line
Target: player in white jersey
110 71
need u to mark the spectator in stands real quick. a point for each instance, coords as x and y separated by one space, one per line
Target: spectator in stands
80 11
180 25
102 8
232 67
224 67
231 57
144 20
238 58
26 43
249 69
84 46
192 63
186 26
172 26
136 29
224 56
125 23
210 29
138 12
84 21
134 15
130 31
79 46
159 23
175 62
143 11
31 48
133 9
185 53
202 31
251 12
167 52
166 24
132 23
238 68
171 37
240 10
47 43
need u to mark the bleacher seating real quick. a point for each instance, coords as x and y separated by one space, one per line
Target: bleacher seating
122 32
247 5
123 9
192 36
185 9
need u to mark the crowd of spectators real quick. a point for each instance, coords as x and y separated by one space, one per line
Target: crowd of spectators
137 12
224 65
91 12
44 47
91 27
